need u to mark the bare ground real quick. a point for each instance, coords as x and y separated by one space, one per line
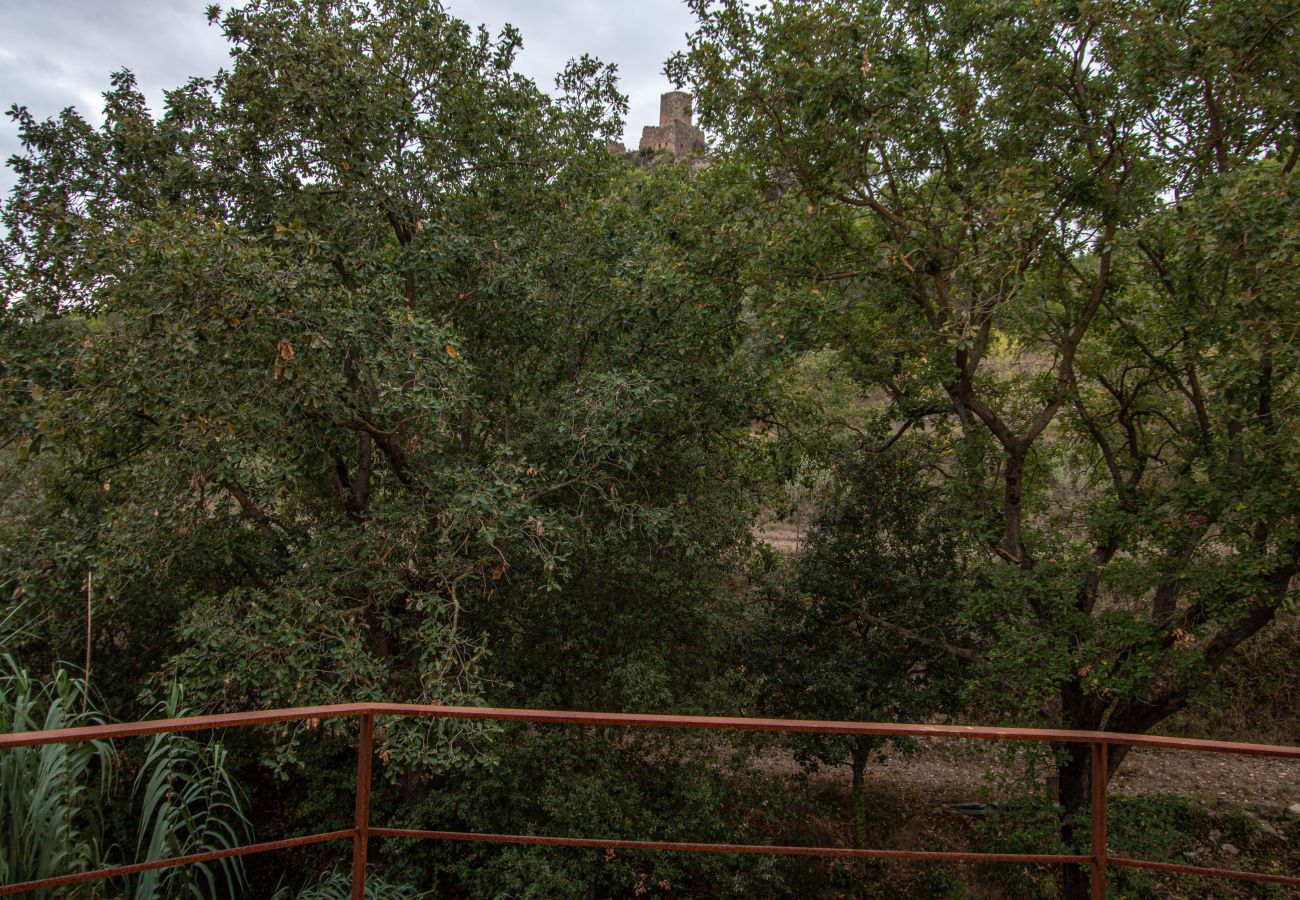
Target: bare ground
947 775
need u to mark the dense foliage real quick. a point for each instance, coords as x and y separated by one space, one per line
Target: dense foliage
1064 234
861 627
363 370
349 348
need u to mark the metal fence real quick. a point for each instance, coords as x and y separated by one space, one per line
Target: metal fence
362 831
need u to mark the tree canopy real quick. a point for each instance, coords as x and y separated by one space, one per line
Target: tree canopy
352 338
363 370
1060 234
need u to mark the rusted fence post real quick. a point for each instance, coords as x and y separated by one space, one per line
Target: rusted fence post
361 821
1098 784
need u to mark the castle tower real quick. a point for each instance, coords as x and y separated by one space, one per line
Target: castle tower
674 135
674 108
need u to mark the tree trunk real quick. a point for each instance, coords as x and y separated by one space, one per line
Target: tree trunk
861 752
1075 784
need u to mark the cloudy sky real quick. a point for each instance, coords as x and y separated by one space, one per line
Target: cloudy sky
58 53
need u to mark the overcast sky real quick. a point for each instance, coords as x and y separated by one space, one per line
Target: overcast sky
58 53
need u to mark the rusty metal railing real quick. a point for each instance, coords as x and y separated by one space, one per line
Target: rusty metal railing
1098 859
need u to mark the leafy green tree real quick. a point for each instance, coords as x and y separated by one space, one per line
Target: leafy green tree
646 615
254 350
1064 234
363 370
865 629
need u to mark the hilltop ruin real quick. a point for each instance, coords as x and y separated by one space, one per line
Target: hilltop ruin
674 134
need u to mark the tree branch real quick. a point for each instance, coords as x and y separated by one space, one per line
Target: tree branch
916 637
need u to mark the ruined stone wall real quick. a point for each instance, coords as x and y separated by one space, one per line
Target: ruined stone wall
674 134
677 139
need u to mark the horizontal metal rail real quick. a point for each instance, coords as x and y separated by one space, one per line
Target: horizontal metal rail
1099 859
207 856
635 720
755 849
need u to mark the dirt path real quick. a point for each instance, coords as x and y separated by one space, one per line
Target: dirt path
915 802
1210 776
951 775
785 535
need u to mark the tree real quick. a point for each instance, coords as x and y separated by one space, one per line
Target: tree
647 613
863 632
232 349
1063 230
365 371
310 368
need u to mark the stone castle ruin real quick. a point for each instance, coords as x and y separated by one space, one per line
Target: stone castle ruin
674 135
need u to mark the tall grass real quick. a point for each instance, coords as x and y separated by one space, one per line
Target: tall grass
190 803
52 796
